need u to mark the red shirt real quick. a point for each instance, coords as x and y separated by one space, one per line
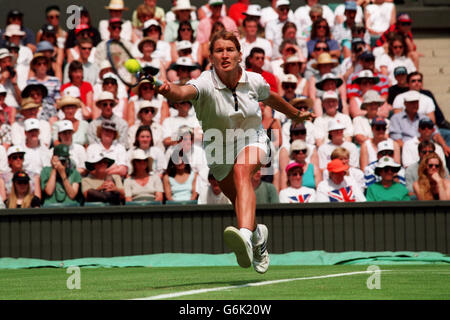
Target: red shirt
85 88
236 12
270 78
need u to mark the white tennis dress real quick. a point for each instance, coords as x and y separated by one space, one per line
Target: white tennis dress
229 128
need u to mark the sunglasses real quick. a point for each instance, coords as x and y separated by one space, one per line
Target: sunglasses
107 104
86 48
321 49
405 23
380 128
433 165
41 64
145 88
386 153
314 17
302 151
284 9
322 27
22 182
386 169
15 157
295 174
289 85
107 82
426 126
116 27
53 16
185 29
146 111
426 151
298 132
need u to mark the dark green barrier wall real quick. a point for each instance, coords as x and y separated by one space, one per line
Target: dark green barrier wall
55 234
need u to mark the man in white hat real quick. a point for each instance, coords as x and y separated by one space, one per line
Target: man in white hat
29 110
77 151
116 9
336 139
251 40
37 155
8 78
385 149
106 102
205 25
270 13
182 11
330 104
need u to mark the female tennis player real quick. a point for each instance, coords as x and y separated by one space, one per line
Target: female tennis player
226 104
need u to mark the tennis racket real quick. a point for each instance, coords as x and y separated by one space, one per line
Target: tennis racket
118 55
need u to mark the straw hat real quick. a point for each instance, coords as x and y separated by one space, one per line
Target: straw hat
371 96
38 56
325 58
28 103
68 101
105 96
302 101
116 5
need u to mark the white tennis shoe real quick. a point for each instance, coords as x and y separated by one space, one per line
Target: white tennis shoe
241 248
261 258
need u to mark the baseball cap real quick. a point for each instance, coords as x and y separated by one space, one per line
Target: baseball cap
81 27
44 46
378 121
110 125
367 55
65 125
280 3
15 149
31 124
385 145
183 45
253 10
330 95
4 53
400 70
21 176
337 165
289 78
139 154
351 5
403 17
293 165
411 95
334 124
62 151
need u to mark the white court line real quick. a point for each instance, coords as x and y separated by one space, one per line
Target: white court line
253 284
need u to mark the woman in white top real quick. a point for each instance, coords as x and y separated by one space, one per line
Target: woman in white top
379 16
226 101
396 56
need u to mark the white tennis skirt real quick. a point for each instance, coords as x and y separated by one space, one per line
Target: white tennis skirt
222 157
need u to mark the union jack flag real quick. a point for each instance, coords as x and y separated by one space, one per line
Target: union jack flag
342 195
302 198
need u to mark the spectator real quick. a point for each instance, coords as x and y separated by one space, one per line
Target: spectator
37 155
384 149
321 31
21 195
387 189
405 125
378 17
52 14
108 144
179 180
141 185
410 153
60 182
49 47
111 84
432 184
400 74
122 91
301 153
274 28
302 104
338 187
186 34
265 192
369 149
16 17
144 141
69 106
8 113
366 81
250 40
342 31
212 194
315 13
84 52
5 128
205 11
76 76
330 82
336 136
158 14
116 9
8 79
153 29
83 30
303 17
287 48
143 92
270 13
362 125
185 66
150 65
296 192
40 65
322 123
255 62
99 185
396 56
294 65
182 11
15 164
146 114
106 102
77 152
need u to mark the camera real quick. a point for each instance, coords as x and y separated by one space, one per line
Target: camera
12 72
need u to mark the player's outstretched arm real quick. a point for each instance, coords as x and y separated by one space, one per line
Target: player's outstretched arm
278 103
176 93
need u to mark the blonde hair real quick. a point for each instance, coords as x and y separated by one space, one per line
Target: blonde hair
12 201
340 152
424 180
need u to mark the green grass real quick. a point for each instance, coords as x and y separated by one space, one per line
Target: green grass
402 282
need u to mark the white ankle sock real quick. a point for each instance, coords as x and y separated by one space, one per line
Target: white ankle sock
247 234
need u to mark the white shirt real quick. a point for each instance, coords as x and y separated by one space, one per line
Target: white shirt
262 43
379 16
36 158
340 11
361 125
300 195
18 133
326 149
410 152
4 166
274 33
327 191
426 104
24 58
321 125
386 61
269 14
304 20
116 152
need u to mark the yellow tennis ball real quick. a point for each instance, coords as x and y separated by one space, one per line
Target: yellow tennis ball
132 65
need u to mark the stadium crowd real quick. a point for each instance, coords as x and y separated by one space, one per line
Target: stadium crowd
72 133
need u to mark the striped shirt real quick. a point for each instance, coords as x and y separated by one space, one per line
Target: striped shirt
53 85
382 87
